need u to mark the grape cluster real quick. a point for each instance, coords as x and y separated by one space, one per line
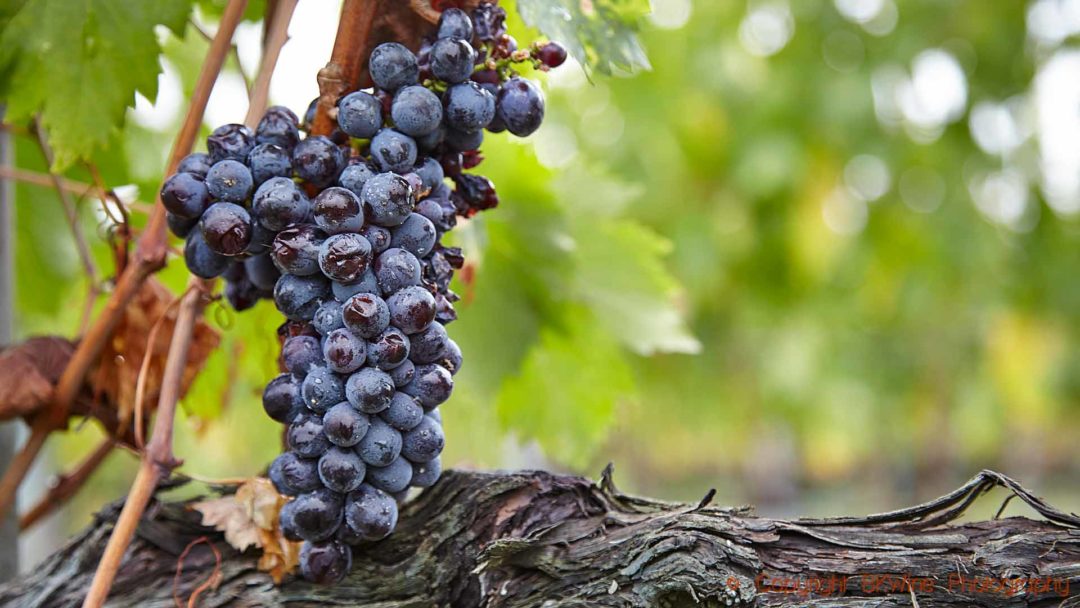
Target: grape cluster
344 234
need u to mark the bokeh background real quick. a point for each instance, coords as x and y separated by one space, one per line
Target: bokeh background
824 256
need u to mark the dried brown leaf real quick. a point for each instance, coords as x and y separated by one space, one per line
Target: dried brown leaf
28 373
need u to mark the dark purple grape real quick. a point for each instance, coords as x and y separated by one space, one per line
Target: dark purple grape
520 106
185 195
299 297
369 390
393 66
474 193
366 315
300 354
344 352
355 176
315 515
412 309
360 115
370 513
416 110
415 235
341 470
468 107
261 272
366 284
404 412
201 260
318 160
392 478
451 357
292 475
242 294
489 22
180 226
296 249
380 445
431 386
431 141
282 400
428 345
328 317
430 172
269 160
197 163
261 239
226 228
325 563
552 54
309 115
389 350
423 443
322 389
403 374
425 474
452 60
305 436
278 204
230 142
278 126
344 426
455 23
396 269
229 180
393 151
337 210
377 236
388 199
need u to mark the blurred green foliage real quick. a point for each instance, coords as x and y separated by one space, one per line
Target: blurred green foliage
687 275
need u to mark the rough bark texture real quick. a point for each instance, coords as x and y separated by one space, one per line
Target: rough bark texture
538 539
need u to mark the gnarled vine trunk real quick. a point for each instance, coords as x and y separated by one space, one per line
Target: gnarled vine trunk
537 539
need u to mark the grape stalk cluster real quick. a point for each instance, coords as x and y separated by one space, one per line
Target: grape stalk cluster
344 234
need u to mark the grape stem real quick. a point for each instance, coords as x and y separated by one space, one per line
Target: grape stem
342 74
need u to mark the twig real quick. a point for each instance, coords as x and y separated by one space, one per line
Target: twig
342 73
157 459
150 252
144 371
276 35
205 584
75 187
67 485
233 50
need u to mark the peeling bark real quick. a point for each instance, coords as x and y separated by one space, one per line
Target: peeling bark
537 539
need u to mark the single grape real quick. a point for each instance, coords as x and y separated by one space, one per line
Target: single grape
316 515
229 180
404 412
415 235
455 23
318 160
360 114
278 204
293 475
344 426
396 269
370 513
322 389
337 210
452 60
428 345
262 272
424 442
403 374
325 563
201 260
425 474
369 390
278 126
226 228
392 478
296 249
341 470
520 106
298 297
282 400
451 357
431 386
380 445
261 240
430 172
355 176
300 354
180 226
185 195
241 294
431 141
197 163
468 107
411 309
269 160
366 284
305 436
393 151
416 111
552 54
460 141
230 142
389 350
366 315
344 352
287 522
328 317
377 236
388 199
393 66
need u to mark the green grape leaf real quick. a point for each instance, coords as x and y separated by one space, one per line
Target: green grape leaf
621 277
600 34
80 63
568 388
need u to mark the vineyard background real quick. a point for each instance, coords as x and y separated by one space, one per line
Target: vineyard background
822 248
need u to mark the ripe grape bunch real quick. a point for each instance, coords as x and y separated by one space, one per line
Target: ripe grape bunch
344 234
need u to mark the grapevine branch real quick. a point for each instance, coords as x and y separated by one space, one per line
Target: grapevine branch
276 34
67 485
74 187
342 73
